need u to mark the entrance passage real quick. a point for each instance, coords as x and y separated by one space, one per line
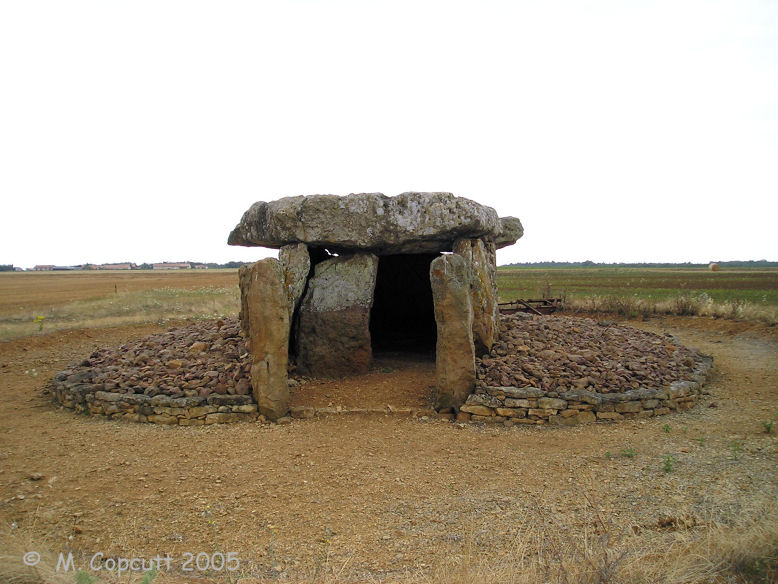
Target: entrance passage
403 314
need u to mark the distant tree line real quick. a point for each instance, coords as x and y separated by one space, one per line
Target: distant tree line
6 267
589 264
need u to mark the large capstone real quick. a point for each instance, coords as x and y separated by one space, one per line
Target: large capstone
334 322
408 223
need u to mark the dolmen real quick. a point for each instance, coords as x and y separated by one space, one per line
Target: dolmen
367 272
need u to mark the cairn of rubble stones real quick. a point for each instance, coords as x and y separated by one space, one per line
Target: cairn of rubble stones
564 371
194 375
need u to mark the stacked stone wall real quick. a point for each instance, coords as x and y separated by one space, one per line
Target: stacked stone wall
530 405
160 409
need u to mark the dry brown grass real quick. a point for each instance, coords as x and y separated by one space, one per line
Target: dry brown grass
14 544
684 305
544 551
549 551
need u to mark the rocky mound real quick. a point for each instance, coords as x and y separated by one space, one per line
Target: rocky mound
193 361
199 374
558 353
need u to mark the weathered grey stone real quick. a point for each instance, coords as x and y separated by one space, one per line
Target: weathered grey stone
334 331
517 403
587 397
517 392
408 223
682 389
455 358
266 319
303 412
482 266
108 397
551 403
228 400
296 265
483 400
511 231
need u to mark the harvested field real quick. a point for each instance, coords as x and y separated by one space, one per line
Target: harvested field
32 303
41 290
750 293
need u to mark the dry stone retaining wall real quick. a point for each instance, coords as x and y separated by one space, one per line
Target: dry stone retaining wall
160 409
531 405
510 405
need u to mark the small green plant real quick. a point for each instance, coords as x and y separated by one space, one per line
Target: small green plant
39 321
608 454
148 577
628 453
667 428
667 462
768 426
271 547
736 448
701 440
209 516
386 369
324 555
85 578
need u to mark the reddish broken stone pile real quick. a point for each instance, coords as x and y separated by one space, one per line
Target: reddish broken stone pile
193 361
558 353
200 373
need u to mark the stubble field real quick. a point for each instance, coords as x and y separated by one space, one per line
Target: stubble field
740 293
689 497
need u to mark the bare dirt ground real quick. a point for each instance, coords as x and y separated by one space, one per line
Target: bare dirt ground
378 498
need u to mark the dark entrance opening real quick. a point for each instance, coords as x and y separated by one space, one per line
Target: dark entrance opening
403 314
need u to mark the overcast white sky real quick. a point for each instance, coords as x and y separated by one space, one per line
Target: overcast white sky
616 131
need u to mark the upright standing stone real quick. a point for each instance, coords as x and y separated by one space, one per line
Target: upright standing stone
265 318
455 359
296 264
482 264
334 325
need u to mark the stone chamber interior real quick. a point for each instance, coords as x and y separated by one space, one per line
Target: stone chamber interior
403 317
